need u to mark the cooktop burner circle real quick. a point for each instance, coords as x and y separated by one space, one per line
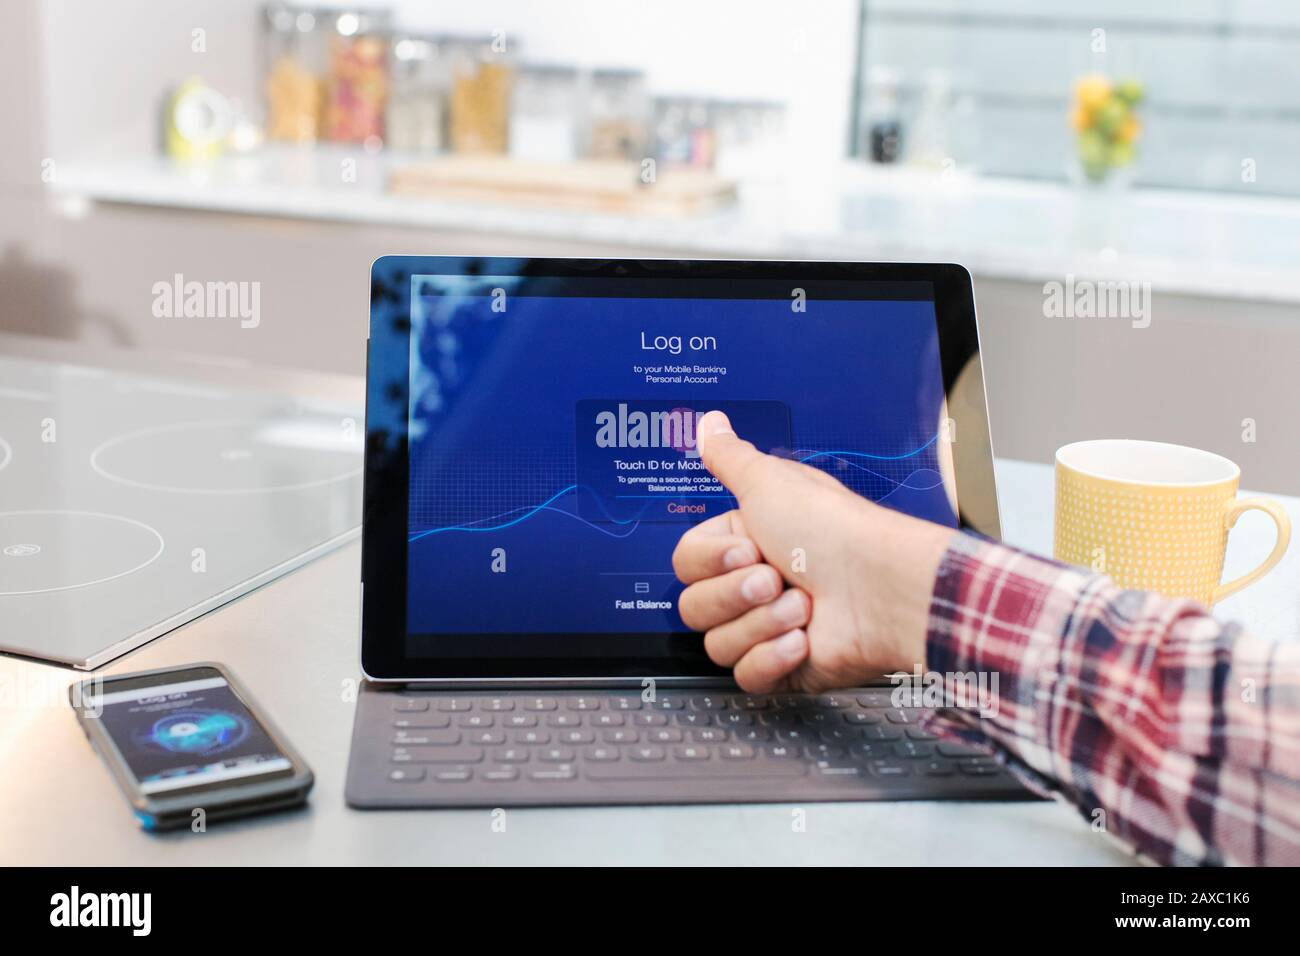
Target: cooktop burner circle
288 453
44 551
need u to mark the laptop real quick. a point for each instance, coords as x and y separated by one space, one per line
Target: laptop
531 464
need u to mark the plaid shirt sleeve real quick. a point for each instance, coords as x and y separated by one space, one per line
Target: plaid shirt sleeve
1174 733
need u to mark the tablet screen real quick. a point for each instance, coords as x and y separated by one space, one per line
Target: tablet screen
551 432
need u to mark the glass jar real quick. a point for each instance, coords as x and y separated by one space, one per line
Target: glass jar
357 94
620 115
417 99
545 114
481 75
295 70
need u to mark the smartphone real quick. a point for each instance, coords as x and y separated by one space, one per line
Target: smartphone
187 743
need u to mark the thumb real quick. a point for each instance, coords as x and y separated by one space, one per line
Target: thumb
734 462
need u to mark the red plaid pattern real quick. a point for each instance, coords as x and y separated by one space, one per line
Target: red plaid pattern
1176 733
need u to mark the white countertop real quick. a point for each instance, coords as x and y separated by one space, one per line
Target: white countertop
294 643
1235 245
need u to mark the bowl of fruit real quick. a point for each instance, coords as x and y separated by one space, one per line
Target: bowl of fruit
1103 115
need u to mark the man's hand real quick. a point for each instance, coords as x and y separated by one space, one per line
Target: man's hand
859 576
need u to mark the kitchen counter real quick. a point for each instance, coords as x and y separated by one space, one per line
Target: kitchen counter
294 643
1227 245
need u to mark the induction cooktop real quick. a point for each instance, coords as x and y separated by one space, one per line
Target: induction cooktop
131 504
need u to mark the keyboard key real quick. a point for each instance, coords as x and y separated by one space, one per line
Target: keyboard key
511 755
833 768
649 720
646 753
576 737
532 737
410 705
737 752
693 719
872 749
521 720
782 752
601 753
428 721
407 775
540 703
454 775
694 769
896 716
888 768
913 749
475 720
938 768
664 735
793 735
453 704
501 774
427 738
497 705
834 701
837 735
437 755
919 733
709 735
621 736
668 703
752 702
564 771
824 751
608 720
950 749
875 698
486 738
583 703
752 735
882 732
555 755
565 720
691 752
735 718
625 703
709 702
862 717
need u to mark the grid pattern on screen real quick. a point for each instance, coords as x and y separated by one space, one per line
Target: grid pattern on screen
469 487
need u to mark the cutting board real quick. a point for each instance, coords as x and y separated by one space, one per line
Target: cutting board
607 186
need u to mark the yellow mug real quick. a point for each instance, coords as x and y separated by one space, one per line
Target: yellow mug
1155 517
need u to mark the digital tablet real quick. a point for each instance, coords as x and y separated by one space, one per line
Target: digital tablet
530 450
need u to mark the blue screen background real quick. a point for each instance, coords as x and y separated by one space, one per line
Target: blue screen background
496 541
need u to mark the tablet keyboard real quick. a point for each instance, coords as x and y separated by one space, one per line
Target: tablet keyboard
431 748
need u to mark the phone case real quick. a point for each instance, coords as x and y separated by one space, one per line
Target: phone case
224 801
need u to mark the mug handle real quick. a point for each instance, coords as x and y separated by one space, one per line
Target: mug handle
1283 523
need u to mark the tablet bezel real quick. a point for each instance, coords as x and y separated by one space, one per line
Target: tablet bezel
584 657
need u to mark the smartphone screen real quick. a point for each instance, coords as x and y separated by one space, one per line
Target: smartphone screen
191 732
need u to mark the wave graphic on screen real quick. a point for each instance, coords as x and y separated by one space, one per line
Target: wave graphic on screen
515 516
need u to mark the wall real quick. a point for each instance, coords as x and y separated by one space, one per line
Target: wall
1201 367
